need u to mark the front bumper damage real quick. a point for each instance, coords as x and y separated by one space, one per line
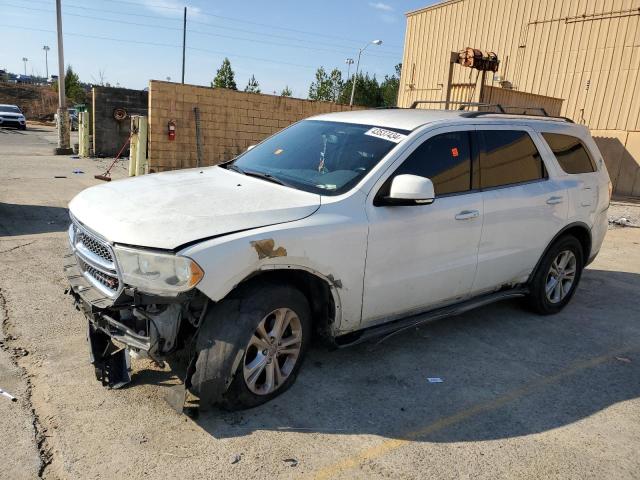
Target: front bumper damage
133 324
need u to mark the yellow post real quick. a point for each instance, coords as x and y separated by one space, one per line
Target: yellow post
83 134
133 146
142 166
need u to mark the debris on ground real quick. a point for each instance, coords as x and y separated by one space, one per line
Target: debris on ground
77 171
292 462
434 380
623 359
8 395
624 214
236 458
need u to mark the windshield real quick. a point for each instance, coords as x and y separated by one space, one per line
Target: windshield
318 156
10 108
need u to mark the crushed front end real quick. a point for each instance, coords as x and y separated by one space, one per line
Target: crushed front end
122 320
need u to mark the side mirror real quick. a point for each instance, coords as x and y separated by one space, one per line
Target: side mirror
250 147
410 190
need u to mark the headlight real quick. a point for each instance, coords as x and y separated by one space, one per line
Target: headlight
157 273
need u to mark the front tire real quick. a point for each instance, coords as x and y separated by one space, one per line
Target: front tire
557 276
256 341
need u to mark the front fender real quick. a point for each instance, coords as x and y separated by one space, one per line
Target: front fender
331 247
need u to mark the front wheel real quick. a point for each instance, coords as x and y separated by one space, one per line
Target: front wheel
256 341
557 277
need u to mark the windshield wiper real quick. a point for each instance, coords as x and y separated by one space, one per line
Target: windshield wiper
235 168
265 176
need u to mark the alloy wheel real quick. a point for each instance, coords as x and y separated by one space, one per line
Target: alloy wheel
561 276
272 351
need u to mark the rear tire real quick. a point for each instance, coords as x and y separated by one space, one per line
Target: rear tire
254 344
557 277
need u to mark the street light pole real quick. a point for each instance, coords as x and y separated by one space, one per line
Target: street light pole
25 60
355 75
63 116
46 59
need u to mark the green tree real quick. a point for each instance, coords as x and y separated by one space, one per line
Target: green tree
286 92
368 92
327 86
252 85
320 89
225 78
390 87
336 84
73 89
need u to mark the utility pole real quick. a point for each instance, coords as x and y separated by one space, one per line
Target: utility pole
25 60
63 116
184 40
46 59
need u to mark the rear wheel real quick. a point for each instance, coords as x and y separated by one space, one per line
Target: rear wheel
557 277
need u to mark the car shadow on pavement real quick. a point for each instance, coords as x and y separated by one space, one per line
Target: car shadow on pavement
18 219
505 372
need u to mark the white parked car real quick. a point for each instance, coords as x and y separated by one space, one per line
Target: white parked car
352 225
12 116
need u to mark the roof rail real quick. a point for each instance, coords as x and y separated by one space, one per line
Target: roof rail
462 104
480 114
501 109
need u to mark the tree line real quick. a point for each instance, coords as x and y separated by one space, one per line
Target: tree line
328 86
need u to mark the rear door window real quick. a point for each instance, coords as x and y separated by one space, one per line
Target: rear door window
445 159
508 157
571 154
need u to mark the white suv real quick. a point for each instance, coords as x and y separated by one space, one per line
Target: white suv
351 225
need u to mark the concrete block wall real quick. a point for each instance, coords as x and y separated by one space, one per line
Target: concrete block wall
110 134
230 121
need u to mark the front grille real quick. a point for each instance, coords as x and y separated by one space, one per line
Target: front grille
94 246
109 281
96 260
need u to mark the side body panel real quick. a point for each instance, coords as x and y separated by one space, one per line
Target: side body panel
519 222
331 244
419 256
588 192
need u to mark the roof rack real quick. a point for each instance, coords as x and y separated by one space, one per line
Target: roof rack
500 109
462 104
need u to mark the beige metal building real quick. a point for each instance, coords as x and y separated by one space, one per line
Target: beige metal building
585 52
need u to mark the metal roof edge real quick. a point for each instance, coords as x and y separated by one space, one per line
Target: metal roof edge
442 3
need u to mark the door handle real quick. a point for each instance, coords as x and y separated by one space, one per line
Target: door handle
467 214
554 200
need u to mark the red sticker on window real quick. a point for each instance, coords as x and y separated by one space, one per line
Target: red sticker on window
454 152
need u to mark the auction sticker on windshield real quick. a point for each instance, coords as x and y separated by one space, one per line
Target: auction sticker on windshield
390 135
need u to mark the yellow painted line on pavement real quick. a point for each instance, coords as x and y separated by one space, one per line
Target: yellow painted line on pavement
394 444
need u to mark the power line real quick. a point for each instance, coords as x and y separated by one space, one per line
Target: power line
219 35
233 19
157 44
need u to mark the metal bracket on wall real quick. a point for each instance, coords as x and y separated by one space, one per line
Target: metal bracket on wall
196 112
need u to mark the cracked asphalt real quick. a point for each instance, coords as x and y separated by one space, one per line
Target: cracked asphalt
522 396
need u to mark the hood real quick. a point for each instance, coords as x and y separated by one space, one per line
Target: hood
169 209
11 114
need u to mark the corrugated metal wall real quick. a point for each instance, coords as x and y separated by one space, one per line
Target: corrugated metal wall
584 51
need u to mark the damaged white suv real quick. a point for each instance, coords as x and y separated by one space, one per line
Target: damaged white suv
348 225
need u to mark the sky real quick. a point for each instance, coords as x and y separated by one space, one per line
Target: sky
281 42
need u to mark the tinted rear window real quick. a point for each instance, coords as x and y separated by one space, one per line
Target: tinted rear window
571 154
508 157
